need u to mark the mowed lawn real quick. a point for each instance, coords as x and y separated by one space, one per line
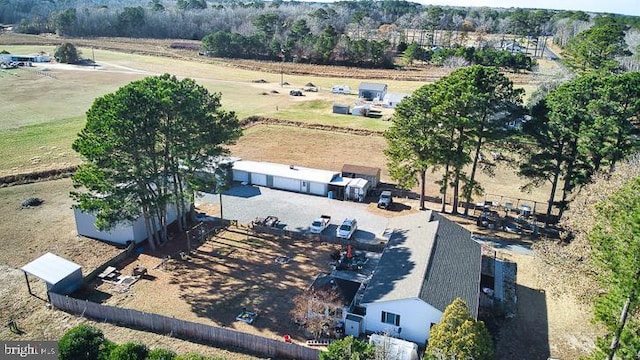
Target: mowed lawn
46 106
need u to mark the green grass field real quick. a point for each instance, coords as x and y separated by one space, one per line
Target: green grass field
40 146
46 104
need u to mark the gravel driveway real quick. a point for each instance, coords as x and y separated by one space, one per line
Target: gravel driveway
296 211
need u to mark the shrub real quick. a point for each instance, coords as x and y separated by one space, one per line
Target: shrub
129 351
161 354
83 342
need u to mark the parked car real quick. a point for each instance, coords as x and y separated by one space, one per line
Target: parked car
320 224
385 200
296 93
348 227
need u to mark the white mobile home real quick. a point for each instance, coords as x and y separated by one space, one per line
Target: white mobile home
392 100
122 232
284 177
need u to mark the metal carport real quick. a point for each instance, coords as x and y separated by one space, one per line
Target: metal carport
61 275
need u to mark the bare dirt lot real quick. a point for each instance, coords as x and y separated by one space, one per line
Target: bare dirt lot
234 270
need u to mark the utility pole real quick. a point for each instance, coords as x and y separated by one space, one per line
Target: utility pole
282 68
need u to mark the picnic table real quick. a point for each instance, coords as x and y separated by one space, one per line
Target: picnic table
109 273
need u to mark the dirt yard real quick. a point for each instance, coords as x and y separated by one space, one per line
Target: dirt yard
234 270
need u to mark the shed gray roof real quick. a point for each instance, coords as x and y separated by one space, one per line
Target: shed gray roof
373 86
441 262
51 268
286 171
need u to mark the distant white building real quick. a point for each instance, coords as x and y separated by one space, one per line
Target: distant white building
122 232
25 58
391 100
372 91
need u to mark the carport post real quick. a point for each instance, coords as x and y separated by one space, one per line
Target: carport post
220 194
27 280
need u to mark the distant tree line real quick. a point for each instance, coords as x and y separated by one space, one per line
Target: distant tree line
325 48
302 31
488 56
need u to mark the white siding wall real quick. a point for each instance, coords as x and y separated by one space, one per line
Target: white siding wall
259 179
239 175
121 232
86 226
318 189
416 317
286 184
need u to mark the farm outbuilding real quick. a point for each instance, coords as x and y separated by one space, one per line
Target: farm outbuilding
341 109
122 232
353 189
372 91
61 275
392 100
371 174
25 58
284 177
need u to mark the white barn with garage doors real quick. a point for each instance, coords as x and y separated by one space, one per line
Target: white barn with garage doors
285 177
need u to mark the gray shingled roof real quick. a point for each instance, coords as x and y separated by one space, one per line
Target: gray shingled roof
441 262
403 264
454 270
372 86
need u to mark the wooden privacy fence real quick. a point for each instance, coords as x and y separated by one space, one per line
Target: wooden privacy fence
183 329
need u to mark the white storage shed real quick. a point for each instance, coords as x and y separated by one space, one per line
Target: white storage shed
61 275
391 100
357 189
372 91
285 177
122 232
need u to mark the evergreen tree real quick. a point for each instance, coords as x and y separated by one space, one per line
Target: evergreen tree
459 336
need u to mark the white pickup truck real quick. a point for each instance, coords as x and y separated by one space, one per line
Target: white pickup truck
320 224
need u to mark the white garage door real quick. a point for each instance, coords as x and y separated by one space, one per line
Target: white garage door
239 175
318 189
259 179
286 184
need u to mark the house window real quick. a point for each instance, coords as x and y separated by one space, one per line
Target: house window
390 318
